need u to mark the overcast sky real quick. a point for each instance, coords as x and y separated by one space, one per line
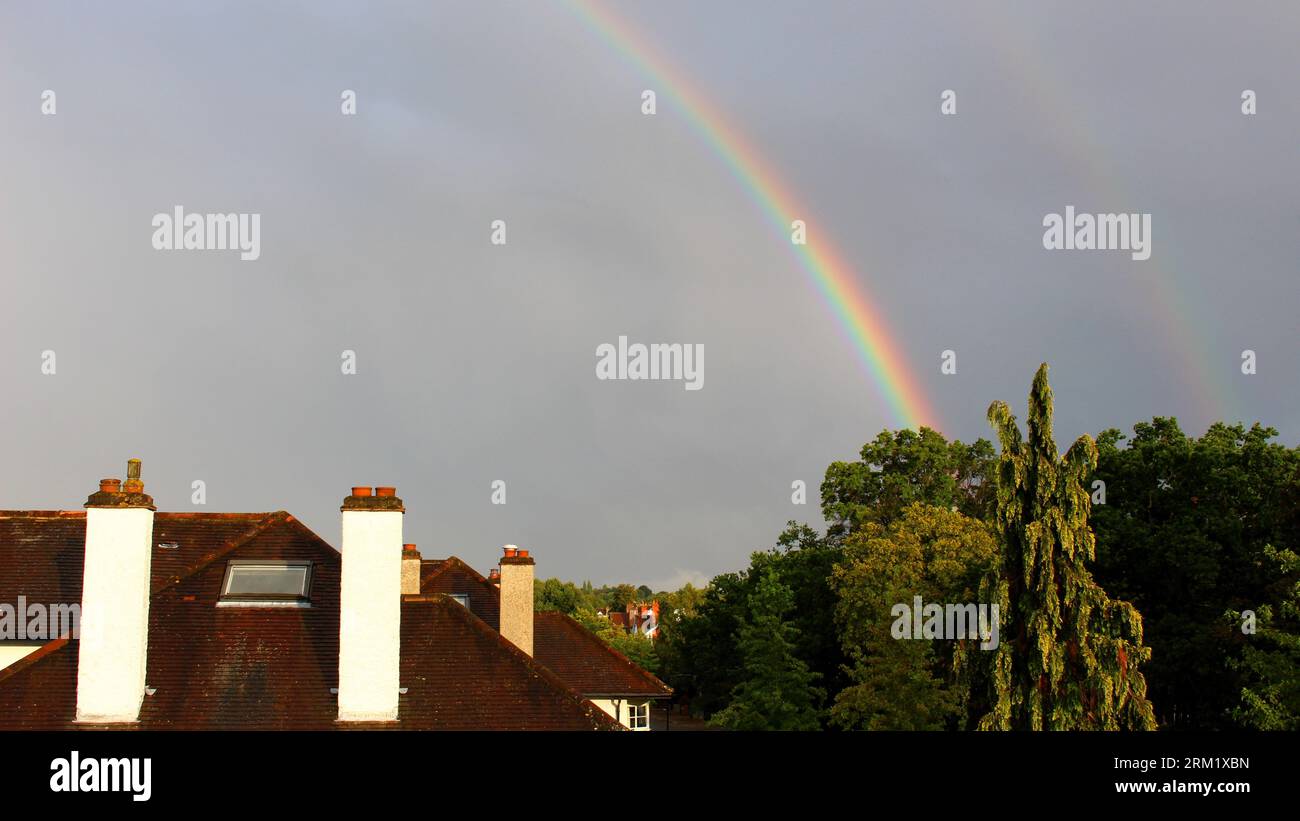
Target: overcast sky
476 362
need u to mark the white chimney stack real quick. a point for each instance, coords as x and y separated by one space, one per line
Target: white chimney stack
370 604
517 598
114 632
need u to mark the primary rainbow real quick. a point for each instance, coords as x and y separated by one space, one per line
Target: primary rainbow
857 317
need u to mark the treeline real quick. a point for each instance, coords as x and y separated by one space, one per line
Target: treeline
590 605
1143 581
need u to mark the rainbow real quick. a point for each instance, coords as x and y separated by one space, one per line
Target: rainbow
833 277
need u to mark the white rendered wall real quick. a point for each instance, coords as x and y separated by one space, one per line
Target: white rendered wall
11 651
114 614
619 710
370 618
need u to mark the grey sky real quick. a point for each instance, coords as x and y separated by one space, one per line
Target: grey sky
476 362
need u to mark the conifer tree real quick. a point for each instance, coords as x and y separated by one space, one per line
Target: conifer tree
1068 656
777 692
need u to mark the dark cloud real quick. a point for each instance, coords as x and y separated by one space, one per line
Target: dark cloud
477 362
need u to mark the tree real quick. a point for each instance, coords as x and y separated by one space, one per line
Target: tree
1069 656
637 647
553 594
906 466
620 596
702 660
1183 535
778 691
1270 660
931 552
702 656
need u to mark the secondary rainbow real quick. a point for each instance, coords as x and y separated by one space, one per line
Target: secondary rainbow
834 278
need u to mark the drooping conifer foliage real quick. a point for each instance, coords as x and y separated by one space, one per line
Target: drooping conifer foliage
1069 655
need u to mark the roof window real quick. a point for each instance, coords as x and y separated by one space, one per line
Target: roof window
266 583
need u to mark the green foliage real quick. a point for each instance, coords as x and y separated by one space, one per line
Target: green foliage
1183 535
553 594
1270 658
566 597
1069 655
896 687
932 552
1190 528
702 652
621 595
636 646
777 691
906 466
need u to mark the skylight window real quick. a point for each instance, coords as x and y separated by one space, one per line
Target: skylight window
266 584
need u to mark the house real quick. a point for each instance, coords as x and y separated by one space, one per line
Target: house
637 617
605 676
137 619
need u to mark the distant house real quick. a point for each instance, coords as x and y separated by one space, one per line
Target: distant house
252 621
637 617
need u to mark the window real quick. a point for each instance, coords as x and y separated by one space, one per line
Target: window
638 715
266 584
463 598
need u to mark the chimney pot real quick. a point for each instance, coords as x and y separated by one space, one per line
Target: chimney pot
361 491
133 484
523 554
385 491
110 485
510 551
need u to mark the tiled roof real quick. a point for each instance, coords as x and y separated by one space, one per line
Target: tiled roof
571 651
41 551
587 663
451 575
480 679
265 668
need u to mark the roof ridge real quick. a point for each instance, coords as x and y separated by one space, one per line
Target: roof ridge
445 564
589 636
458 560
447 603
268 519
203 514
